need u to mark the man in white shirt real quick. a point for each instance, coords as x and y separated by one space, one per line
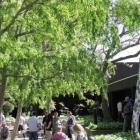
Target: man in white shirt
119 109
33 127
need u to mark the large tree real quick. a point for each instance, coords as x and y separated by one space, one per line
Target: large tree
43 30
53 46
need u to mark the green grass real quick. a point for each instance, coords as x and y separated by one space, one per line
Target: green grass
117 136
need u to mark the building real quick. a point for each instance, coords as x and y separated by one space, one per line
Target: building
123 83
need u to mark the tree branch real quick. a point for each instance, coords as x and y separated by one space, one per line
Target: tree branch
35 78
24 33
22 8
126 57
13 19
18 76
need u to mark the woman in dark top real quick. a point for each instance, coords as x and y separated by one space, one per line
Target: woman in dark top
45 118
48 126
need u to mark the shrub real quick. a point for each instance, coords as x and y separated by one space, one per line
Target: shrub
8 108
85 119
117 136
106 125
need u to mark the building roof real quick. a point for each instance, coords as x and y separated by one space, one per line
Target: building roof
130 51
125 76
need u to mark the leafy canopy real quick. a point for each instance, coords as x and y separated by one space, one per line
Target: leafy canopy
50 48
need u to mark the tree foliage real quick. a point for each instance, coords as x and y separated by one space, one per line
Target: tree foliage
48 48
8 107
54 47
128 12
44 47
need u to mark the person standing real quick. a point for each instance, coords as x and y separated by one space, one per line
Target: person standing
119 109
21 126
4 132
55 122
45 118
69 124
33 127
48 127
127 114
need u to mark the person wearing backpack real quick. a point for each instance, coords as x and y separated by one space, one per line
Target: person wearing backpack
4 132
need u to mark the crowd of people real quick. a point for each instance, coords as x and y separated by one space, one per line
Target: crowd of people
52 126
56 129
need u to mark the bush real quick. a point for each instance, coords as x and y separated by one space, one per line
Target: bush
8 108
85 119
106 125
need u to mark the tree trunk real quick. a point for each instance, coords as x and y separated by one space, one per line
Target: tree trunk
105 108
19 111
2 90
136 111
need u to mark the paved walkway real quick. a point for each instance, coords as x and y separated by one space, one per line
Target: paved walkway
20 136
41 137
